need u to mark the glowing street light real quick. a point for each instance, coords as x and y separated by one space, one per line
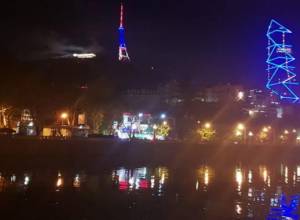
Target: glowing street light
251 113
240 95
241 126
286 132
250 134
163 116
165 123
141 115
265 129
155 127
64 115
207 125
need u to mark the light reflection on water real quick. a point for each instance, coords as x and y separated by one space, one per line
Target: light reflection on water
257 192
141 179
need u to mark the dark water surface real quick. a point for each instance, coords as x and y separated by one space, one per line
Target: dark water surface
203 192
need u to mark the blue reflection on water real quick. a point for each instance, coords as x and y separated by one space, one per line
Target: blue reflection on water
285 209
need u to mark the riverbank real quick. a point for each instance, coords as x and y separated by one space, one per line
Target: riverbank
99 153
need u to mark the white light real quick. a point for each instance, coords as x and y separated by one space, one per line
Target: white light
13 178
134 127
240 126
240 95
251 112
84 55
30 124
207 125
26 180
163 116
141 115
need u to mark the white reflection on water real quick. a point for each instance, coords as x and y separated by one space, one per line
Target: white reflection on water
250 176
286 174
239 180
238 209
26 179
13 178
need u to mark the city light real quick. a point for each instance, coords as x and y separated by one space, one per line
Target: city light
251 113
207 125
265 129
240 95
26 180
59 182
64 115
241 126
250 134
163 116
84 55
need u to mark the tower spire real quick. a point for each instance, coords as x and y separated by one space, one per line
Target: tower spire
121 15
123 54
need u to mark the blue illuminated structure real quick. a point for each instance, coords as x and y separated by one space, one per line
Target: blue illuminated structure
281 75
123 54
285 209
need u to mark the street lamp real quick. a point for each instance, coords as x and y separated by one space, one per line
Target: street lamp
240 95
265 129
163 116
64 116
207 125
240 126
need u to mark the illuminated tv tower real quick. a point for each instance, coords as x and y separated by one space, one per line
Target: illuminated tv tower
123 54
281 75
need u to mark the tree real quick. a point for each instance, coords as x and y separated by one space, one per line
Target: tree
206 134
163 130
96 121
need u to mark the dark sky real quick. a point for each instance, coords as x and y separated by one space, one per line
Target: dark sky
203 40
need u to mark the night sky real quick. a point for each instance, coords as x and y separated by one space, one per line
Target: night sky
206 41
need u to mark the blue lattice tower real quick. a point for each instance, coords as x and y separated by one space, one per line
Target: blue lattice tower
281 75
123 54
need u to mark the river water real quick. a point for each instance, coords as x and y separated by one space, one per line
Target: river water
203 192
